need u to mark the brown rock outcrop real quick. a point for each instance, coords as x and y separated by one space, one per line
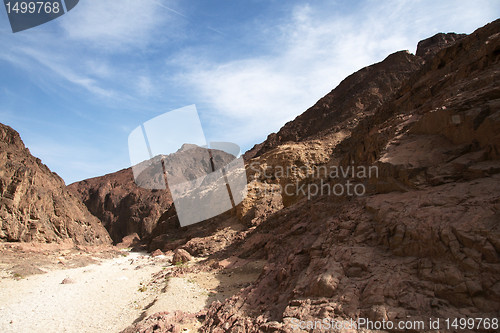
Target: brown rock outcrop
423 242
123 207
428 47
353 99
181 256
35 205
163 322
126 208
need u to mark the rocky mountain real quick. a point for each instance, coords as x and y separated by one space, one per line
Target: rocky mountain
356 97
423 240
35 205
125 208
419 241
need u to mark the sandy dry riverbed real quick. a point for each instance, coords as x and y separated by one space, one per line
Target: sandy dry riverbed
103 297
107 290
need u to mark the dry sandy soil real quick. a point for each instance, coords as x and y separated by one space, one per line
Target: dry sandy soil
105 291
102 297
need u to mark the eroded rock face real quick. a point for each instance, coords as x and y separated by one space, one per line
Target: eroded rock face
353 99
181 256
126 208
35 205
123 207
428 47
423 242
308 141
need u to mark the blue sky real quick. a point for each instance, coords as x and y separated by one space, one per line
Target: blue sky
74 88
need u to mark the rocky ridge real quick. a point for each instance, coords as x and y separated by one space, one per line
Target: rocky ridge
356 97
125 208
423 240
35 205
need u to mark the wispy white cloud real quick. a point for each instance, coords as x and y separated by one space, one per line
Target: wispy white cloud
57 64
111 50
163 5
313 51
144 86
100 48
115 26
99 68
87 61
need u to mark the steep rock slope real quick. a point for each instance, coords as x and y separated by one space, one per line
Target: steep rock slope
308 141
356 97
34 202
126 208
423 241
123 207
